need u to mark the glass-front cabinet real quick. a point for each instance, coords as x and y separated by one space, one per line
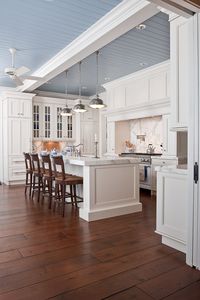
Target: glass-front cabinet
48 124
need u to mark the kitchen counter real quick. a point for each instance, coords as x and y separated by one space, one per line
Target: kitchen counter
140 153
110 185
92 161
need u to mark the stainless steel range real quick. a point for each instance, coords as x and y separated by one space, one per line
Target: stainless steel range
144 167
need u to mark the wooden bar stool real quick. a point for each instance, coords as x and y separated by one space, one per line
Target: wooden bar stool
48 178
63 180
29 173
37 174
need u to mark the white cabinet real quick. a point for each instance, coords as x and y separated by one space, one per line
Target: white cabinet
17 135
19 108
88 130
169 138
156 162
181 35
89 127
172 192
111 137
48 124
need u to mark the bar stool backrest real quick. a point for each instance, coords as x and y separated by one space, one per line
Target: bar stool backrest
59 167
28 163
35 163
46 164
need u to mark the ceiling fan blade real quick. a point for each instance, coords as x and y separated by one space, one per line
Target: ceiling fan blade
22 70
17 80
32 78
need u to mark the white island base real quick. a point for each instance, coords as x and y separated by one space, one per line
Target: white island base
110 188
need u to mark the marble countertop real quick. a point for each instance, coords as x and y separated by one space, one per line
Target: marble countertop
92 161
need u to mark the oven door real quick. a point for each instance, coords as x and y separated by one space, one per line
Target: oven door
145 176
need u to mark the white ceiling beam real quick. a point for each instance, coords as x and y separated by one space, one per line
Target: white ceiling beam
178 7
121 19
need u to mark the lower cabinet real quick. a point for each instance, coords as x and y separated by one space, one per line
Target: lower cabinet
172 196
159 161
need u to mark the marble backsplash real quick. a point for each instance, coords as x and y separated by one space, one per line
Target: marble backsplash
146 131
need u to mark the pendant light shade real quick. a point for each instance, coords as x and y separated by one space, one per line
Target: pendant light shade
97 102
79 108
66 111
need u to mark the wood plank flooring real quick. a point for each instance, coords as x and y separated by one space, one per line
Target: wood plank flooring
45 256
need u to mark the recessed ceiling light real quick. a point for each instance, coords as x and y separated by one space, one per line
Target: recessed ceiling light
141 27
107 78
143 64
84 87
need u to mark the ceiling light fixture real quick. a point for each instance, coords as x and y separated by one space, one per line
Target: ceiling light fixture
66 111
141 27
79 108
97 102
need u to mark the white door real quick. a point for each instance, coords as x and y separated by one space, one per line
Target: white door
87 137
14 108
25 108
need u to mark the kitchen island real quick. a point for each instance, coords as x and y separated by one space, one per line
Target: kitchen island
110 186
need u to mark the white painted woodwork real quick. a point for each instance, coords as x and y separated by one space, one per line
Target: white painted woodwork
143 88
169 138
172 192
110 186
160 161
158 86
16 117
53 104
89 126
136 92
181 70
88 130
110 137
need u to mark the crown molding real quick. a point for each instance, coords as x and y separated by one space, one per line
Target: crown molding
139 74
121 19
17 95
59 95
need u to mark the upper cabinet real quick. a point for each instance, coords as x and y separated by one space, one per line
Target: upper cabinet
48 124
18 108
181 62
146 87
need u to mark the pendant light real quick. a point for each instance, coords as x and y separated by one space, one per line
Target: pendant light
66 111
97 102
79 108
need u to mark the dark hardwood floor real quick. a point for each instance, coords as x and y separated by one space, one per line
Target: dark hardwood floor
45 256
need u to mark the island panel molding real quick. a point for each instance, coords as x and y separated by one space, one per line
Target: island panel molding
105 198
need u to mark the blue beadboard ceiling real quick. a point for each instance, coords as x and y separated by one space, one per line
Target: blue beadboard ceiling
41 28
119 58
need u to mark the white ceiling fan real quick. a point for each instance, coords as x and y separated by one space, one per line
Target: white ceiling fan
17 74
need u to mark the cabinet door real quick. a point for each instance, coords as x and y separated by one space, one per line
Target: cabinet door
60 123
14 136
14 108
25 108
87 137
25 135
111 137
36 121
172 194
47 120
